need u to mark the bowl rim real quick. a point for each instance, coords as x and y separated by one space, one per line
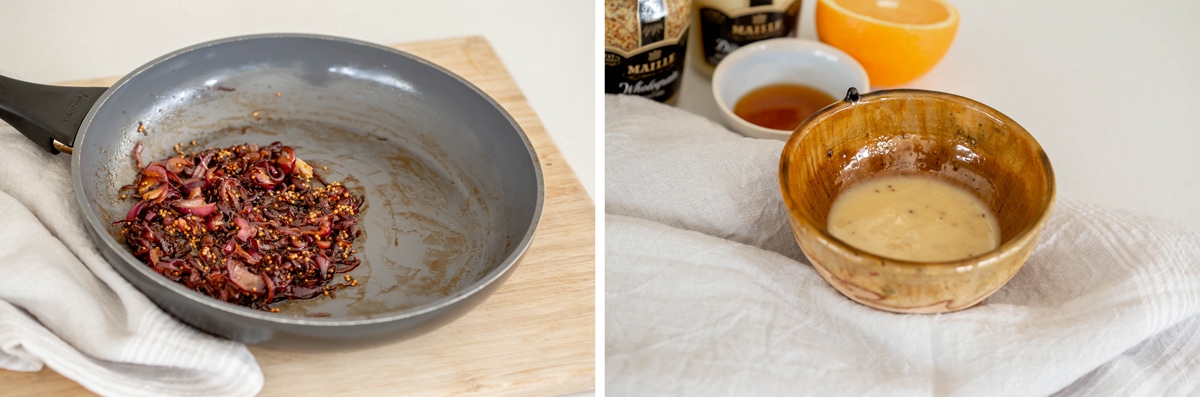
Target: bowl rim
791 44
853 99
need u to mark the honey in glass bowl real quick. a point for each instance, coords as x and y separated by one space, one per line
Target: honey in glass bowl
781 106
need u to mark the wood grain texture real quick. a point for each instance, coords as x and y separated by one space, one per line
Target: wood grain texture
534 336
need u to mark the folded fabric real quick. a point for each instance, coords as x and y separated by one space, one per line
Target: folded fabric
63 306
707 294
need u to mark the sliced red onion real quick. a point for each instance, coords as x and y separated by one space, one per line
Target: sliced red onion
155 171
245 231
194 206
137 209
215 223
273 171
154 193
228 192
270 288
286 160
172 193
305 292
172 264
303 169
193 187
137 155
176 164
149 216
323 264
260 176
252 259
244 279
324 228
154 254
276 176
288 231
201 166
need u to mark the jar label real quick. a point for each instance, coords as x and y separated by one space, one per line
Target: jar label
653 71
652 16
723 31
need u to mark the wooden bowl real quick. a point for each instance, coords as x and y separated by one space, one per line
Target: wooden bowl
913 131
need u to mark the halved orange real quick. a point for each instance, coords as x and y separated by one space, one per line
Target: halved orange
896 41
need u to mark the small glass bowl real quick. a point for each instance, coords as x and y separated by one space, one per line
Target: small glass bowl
776 61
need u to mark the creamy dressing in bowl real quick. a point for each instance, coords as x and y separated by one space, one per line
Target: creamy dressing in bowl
914 218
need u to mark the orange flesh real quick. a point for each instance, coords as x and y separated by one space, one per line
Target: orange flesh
912 12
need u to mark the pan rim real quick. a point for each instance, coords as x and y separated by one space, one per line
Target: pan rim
106 239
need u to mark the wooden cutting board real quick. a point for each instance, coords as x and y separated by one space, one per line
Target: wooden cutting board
534 336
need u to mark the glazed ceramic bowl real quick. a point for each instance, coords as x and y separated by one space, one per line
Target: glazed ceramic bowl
782 60
912 131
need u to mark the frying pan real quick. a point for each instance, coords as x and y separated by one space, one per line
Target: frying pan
453 189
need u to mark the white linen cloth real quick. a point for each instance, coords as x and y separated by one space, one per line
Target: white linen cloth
707 293
63 306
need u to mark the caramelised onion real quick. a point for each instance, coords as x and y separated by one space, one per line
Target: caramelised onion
135 210
243 224
244 229
303 169
193 206
323 264
176 164
202 166
263 179
286 160
243 278
155 172
228 193
137 155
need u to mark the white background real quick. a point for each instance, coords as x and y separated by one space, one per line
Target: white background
547 45
1111 89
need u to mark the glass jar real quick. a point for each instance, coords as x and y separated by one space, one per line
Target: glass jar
645 44
725 25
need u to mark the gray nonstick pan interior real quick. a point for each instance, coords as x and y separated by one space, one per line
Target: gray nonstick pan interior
453 189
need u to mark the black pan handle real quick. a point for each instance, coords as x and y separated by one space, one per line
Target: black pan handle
47 114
